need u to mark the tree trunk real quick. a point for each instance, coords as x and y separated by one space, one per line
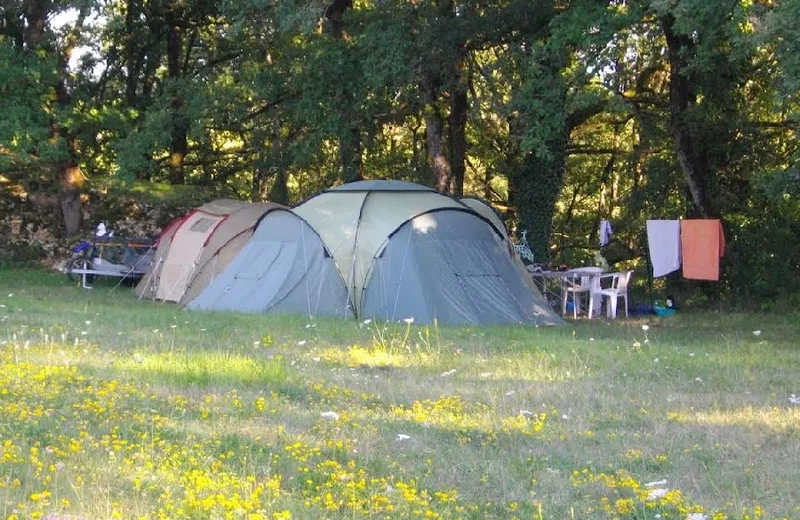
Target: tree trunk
69 174
535 188
349 132
132 61
437 159
280 191
180 126
260 168
436 156
537 182
459 106
682 97
350 151
36 18
69 197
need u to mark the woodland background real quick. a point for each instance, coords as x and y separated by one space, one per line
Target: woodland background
560 113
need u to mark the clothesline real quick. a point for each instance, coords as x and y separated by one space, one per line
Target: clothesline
694 244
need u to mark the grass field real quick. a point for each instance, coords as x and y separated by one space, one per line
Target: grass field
117 408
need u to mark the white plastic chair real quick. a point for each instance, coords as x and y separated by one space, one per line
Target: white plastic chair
577 286
618 289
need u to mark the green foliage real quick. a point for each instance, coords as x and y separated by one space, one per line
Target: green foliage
569 116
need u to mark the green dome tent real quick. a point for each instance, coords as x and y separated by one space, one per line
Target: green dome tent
380 249
407 251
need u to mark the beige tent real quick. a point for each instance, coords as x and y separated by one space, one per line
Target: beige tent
147 285
224 245
184 244
408 251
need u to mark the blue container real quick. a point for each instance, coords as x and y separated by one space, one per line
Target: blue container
663 311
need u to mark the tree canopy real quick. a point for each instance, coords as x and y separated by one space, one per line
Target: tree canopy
559 113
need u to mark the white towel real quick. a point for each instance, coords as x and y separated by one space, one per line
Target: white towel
605 232
664 241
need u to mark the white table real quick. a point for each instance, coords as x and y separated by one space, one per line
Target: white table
591 274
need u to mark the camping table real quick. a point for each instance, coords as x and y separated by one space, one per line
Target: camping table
545 279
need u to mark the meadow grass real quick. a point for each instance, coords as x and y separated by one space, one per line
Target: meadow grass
116 408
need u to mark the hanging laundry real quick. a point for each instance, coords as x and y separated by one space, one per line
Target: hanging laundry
605 232
664 242
703 244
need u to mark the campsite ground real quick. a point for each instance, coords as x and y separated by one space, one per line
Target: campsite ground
117 408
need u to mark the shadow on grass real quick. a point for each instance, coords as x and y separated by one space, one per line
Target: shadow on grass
204 369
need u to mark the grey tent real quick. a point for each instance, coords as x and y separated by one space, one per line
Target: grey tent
407 251
283 268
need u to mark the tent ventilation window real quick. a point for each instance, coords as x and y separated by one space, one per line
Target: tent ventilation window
202 225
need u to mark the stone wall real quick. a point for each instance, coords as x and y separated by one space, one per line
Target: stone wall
31 230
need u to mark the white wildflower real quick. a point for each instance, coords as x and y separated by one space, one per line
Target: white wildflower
526 413
331 415
691 354
88 322
448 373
510 393
315 359
565 417
403 437
698 379
367 321
301 343
657 493
645 327
409 320
656 483
793 399
697 516
756 333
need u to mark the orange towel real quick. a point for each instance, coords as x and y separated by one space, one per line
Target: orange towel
703 244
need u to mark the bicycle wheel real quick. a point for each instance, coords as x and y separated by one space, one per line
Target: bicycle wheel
76 261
